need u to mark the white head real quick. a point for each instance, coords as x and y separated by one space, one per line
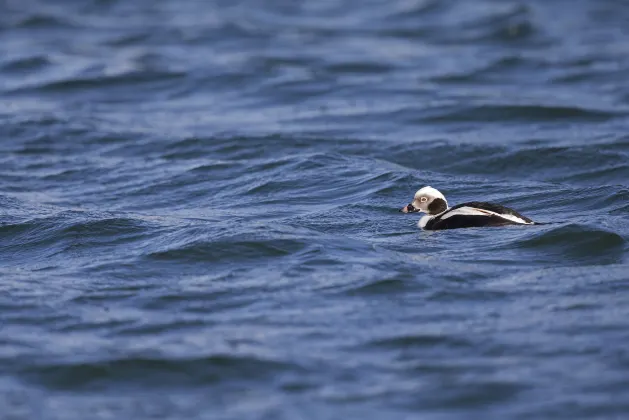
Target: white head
428 200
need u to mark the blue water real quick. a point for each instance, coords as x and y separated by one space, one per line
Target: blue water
199 209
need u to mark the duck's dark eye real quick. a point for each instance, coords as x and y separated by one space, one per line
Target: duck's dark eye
423 199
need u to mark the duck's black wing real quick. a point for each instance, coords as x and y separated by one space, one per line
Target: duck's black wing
496 208
476 214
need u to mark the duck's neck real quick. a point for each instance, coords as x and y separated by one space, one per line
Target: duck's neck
424 220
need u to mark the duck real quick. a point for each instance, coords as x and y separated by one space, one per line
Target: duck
471 214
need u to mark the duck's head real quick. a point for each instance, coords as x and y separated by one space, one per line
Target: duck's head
428 200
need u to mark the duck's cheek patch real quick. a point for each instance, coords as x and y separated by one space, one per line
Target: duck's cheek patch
437 206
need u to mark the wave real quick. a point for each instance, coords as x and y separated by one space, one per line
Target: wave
589 164
156 372
224 250
76 233
136 78
510 112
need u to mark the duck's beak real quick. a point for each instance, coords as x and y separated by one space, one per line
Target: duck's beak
409 209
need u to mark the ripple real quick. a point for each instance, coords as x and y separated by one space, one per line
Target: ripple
115 226
509 112
133 78
391 285
43 21
512 25
26 64
155 372
230 250
427 340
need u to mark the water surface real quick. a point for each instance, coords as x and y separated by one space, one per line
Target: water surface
199 209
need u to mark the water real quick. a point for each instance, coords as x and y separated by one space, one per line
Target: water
199 209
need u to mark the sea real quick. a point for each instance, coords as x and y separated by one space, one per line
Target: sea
199 209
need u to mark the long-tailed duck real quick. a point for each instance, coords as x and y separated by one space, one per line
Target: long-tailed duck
473 214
